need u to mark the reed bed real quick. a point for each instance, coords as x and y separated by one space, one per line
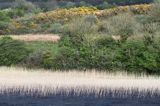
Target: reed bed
47 82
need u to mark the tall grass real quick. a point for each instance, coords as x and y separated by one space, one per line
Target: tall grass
42 82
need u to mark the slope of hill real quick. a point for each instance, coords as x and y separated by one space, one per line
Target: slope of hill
65 15
123 38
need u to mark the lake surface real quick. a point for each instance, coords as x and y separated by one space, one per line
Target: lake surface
72 100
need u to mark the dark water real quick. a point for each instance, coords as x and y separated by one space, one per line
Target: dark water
71 100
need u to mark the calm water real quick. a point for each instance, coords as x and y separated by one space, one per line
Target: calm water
59 100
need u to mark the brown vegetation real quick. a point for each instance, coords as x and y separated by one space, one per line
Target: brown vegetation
88 82
36 37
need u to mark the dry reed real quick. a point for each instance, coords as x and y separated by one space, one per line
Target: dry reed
45 82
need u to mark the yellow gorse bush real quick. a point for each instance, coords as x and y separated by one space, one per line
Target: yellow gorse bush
65 14
136 9
18 25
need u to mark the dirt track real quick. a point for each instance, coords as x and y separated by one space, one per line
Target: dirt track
36 37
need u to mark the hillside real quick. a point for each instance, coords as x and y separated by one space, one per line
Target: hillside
114 38
65 15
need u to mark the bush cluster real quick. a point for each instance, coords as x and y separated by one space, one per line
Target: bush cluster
4 23
12 52
107 54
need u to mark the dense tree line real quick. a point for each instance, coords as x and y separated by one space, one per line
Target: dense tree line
118 2
93 2
53 4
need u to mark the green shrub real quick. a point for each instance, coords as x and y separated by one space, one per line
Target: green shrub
55 28
4 27
34 59
12 51
47 61
17 13
78 29
124 25
4 17
149 62
155 12
135 55
150 28
40 59
4 23
81 26
91 19
131 51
